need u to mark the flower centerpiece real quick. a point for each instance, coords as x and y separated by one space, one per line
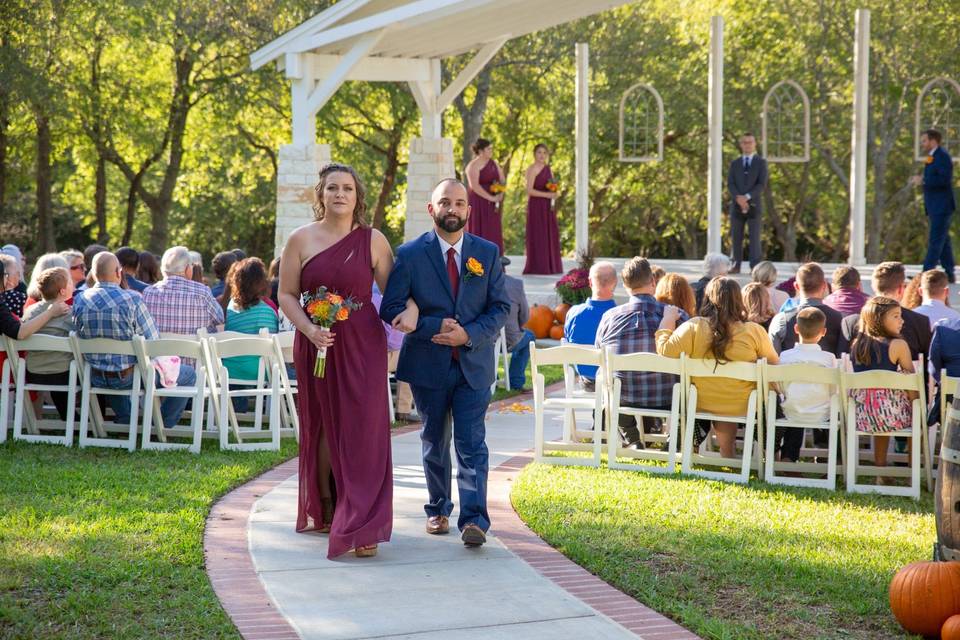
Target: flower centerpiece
574 287
325 308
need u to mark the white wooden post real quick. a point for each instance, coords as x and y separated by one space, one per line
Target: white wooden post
858 159
299 68
715 143
582 135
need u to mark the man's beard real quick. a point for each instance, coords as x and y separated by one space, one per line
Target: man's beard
451 224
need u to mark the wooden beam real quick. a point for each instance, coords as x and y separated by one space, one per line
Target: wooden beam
330 84
470 72
375 69
278 46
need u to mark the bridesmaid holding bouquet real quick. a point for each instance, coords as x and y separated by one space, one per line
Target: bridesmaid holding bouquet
543 234
486 182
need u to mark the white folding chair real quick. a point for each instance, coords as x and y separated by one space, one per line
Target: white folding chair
247 345
22 405
750 457
283 348
500 354
6 389
199 392
567 355
948 388
893 381
672 417
88 398
782 376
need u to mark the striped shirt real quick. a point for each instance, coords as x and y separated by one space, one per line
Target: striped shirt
107 311
250 321
182 306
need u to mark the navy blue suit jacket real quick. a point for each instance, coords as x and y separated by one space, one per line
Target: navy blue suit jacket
938 184
481 308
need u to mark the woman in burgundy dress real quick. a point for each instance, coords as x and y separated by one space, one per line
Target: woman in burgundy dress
345 428
543 235
482 172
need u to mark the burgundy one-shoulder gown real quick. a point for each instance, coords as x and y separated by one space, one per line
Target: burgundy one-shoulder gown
348 405
485 215
543 234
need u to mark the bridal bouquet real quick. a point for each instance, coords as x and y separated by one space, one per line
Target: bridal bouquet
325 308
553 186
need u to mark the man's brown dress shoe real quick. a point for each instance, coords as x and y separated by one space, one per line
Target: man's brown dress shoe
473 536
437 525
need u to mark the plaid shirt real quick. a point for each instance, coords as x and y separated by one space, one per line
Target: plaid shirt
182 306
632 328
107 311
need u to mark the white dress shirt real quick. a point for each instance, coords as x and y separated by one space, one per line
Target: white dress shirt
936 310
457 248
807 401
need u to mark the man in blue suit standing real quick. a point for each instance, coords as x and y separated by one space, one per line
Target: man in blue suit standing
456 279
937 181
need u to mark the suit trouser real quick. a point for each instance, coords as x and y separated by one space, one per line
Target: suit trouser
458 403
737 221
939 248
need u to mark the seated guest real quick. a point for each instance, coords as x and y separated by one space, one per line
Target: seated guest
274 275
196 259
11 326
14 252
52 367
44 262
395 337
580 326
104 310
88 254
756 298
766 274
10 291
811 287
724 334
714 266
789 287
130 262
944 354
848 296
180 305
889 280
658 273
77 266
912 297
674 289
934 290
518 338
805 401
221 267
149 270
632 328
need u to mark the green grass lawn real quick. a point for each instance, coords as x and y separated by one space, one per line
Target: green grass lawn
100 543
551 373
733 562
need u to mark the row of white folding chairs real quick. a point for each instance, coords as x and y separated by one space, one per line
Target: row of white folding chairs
211 390
760 417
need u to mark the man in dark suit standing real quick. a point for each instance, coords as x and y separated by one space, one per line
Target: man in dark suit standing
937 181
746 181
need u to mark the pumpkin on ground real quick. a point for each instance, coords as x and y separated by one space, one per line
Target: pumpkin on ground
560 311
541 319
556 332
951 629
923 595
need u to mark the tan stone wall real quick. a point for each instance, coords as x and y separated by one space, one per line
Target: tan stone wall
298 168
431 160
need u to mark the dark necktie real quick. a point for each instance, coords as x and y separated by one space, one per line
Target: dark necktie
746 164
454 274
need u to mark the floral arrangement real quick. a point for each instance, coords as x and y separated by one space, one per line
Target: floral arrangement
553 186
497 187
325 308
474 269
574 287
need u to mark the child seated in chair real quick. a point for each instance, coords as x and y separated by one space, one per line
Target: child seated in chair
878 347
52 367
805 401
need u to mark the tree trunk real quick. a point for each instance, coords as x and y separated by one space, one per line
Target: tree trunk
100 201
389 179
45 237
472 117
100 190
131 210
4 124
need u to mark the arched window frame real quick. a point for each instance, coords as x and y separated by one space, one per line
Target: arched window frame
642 86
806 123
941 81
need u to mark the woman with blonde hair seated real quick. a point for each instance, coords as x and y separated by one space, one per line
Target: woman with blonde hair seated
757 301
724 334
766 274
674 289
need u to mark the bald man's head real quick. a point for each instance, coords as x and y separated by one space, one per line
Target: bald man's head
105 267
449 206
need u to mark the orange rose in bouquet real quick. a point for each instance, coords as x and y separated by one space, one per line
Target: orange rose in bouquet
553 186
497 187
325 308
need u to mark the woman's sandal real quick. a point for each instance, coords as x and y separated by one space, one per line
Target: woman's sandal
366 552
326 513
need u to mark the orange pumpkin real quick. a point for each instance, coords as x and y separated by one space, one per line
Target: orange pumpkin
951 629
923 595
541 319
560 311
556 332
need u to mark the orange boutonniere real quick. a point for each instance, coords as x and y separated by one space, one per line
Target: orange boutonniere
474 269
929 159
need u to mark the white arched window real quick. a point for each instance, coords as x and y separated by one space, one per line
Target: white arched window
786 123
641 124
938 107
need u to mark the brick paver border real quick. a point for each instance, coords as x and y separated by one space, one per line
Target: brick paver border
230 568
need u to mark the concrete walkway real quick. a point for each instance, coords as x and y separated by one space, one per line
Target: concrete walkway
424 587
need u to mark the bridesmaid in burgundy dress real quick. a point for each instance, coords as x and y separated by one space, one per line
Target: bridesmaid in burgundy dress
543 235
345 428
482 172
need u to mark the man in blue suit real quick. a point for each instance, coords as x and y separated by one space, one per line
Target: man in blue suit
456 279
937 181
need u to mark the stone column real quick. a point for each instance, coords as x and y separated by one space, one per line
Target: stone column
298 168
431 160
